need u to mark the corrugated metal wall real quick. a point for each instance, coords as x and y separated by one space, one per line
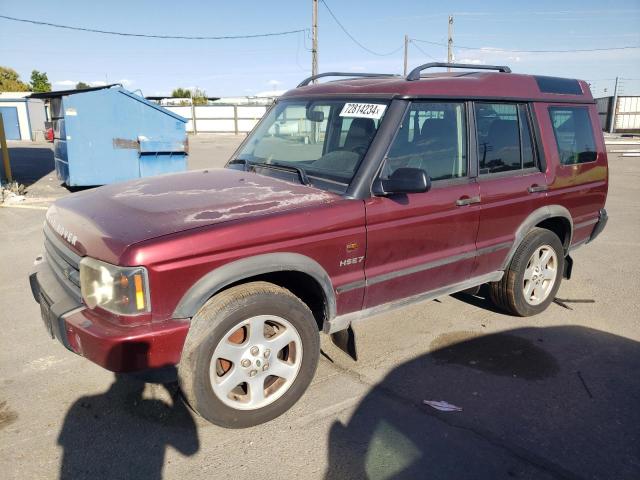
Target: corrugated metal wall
627 116
604 111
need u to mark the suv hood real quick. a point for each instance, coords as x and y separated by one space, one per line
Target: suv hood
104 221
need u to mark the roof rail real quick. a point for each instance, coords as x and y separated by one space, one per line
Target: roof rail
310 79
415 73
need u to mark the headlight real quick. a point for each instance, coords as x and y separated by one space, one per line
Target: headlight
119 290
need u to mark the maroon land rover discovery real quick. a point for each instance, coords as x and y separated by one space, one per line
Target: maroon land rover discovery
349 198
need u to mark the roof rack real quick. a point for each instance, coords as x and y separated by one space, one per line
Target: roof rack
415 73
307 81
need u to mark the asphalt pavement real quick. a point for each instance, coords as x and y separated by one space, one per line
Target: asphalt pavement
551 396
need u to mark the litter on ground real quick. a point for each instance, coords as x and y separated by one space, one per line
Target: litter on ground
442 405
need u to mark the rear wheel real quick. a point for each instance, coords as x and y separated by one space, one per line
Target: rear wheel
250 354
533 277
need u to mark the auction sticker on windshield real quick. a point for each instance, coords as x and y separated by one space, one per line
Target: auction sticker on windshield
363 110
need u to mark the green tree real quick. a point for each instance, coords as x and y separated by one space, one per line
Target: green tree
40 82
82 85
10 81
181 93
199 96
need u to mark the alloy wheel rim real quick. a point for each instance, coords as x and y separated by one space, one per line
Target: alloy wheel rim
256 362
540 275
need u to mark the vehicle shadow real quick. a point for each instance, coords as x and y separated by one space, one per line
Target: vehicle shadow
119 434
480 299
557 402
28 165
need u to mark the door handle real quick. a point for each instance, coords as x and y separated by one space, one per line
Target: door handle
538 188
461 202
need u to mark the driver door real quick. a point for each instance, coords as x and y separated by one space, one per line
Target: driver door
421 242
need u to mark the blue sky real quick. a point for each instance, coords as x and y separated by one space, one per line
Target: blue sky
245 67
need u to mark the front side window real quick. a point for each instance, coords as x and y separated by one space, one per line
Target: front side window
433 137
574 136
326 139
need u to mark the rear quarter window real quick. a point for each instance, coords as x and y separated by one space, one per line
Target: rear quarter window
574 135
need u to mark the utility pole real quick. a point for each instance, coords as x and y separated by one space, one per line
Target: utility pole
614 107
193 110
450 43
406 53
314 41
5 153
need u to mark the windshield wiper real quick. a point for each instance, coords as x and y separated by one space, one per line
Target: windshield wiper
278 166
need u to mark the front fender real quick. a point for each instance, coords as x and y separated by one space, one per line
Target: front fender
233 272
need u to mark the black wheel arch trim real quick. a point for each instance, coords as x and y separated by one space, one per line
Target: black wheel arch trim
534 218
214 281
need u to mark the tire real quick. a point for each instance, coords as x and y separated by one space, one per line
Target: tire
523 290
229 341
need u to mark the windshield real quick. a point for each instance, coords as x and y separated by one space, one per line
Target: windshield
318 141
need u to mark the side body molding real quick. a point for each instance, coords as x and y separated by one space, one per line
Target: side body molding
535 217
238 270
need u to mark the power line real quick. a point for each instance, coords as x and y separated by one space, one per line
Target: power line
423 52
491 49
354 39
145 35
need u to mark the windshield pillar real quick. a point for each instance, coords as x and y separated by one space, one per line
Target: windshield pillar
360 186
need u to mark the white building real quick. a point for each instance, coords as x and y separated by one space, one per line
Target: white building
24 118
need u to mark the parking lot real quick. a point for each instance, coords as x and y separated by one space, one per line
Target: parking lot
552 396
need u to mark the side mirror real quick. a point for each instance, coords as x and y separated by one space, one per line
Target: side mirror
403 180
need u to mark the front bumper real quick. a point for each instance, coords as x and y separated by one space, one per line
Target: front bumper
114 347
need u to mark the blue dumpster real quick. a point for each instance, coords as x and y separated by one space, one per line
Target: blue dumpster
109 134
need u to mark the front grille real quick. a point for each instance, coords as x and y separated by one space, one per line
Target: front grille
63 261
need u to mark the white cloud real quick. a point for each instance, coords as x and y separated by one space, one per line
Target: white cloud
471 61
270 93
274 83
125 82
66 83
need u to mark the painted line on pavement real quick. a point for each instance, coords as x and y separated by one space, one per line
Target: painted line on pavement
31 207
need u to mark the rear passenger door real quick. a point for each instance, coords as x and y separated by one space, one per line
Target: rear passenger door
512 184
423 241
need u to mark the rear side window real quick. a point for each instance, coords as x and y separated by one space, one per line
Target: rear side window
433 137
574 136
504 137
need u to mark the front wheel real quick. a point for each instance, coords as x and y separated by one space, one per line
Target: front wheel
533 277
250 354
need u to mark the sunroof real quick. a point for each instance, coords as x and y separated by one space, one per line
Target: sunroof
565 86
